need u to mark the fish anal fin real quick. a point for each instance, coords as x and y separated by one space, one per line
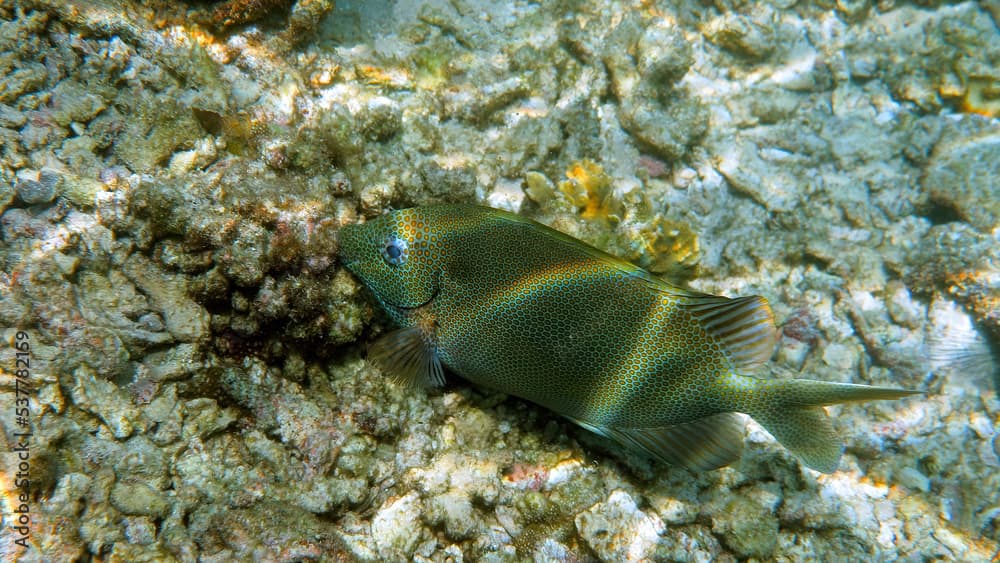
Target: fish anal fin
744 326
700 445
409 357
808 433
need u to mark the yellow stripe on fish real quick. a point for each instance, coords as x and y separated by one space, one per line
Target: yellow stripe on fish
513 305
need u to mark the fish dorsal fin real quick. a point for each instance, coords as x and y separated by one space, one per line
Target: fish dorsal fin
744 326
409 357
700 445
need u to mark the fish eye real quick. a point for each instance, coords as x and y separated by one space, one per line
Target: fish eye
394 251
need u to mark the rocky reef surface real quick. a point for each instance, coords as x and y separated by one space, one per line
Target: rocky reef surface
173 176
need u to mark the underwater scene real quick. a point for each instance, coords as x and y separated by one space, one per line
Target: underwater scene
469 280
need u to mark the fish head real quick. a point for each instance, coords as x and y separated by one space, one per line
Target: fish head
395 256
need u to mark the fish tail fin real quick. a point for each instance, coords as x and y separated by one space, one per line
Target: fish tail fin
792 411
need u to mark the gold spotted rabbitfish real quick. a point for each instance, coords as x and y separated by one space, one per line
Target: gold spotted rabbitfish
516 306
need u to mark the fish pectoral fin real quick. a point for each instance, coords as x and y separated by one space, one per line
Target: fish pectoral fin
409 357
699 445
744 326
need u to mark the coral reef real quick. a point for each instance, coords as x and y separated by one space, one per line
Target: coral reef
173 176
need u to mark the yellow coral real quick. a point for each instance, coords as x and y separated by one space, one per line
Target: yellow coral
588 187
386 77
982 96
668 247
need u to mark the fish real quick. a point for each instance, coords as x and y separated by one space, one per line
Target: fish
513 305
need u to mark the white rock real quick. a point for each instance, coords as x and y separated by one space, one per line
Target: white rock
617 530
507 194
396 527
563 472
840 356
914 479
